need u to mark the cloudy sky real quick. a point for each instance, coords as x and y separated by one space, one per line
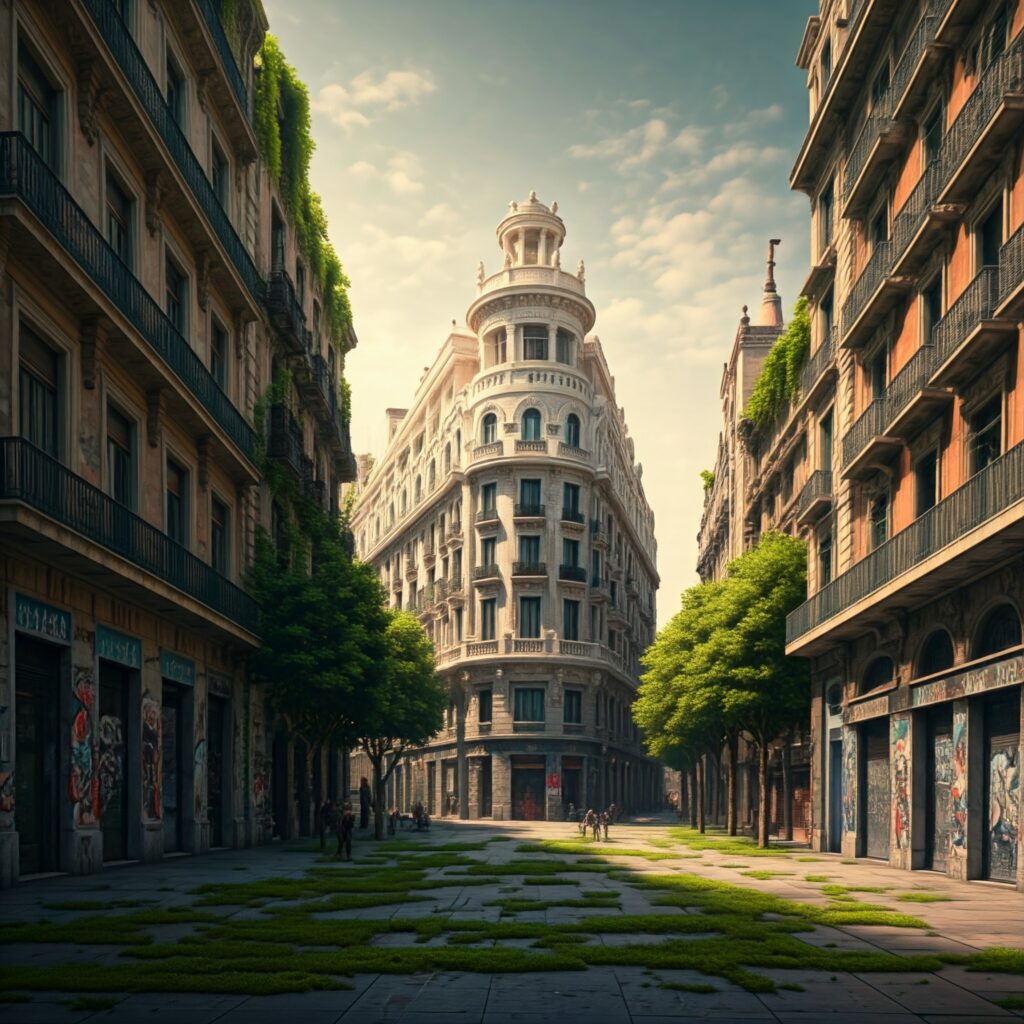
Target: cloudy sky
664 128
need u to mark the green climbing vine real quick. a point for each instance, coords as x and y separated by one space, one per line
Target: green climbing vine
345 398
283 130
708 479
778 384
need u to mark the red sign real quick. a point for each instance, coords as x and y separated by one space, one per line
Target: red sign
554 781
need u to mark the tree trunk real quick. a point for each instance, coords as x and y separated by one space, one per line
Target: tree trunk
378 797
787 789
700 795
733 745
691 795
762 794
311 826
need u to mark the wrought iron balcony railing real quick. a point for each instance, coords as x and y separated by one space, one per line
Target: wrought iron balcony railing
529 569
875 271
879 121
572 515
816 364
486 572
869 424
134 67
487 515
30 476
528 510
24 175
1011 264
574 573
989 492
286 313
911 57
285 441
227 57
818 489
977 302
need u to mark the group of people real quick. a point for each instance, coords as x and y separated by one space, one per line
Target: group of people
592 821
342 822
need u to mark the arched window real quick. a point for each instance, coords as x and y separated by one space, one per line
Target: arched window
448 456
572 430
936 654
1000 630
404 503
879 672
431 475
418 489
489 433
531 425
458 446
834 699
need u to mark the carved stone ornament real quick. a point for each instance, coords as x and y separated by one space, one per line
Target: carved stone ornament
89 93
154 197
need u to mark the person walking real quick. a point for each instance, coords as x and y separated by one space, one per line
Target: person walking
605 817
364 803
346 823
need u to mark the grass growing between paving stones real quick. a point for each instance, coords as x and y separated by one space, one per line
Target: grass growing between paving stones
720 842
763 876
590 848
923 897
697 987
311 937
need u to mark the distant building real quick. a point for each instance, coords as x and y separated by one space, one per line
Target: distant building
912 499
508 512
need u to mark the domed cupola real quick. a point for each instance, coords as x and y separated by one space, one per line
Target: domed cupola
531 234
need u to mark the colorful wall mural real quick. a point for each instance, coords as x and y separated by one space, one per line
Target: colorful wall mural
849 780
151 757
958 788
6 799
83 779
901 783
110 766
1004 811
199 761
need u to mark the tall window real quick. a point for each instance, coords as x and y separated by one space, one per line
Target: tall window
826 205
219 355
926 482
489 497
489 429
219 535
120 458
825 556
570 620
484 706
529 617
989 235
176 521
501 346
563 346
528 704
931 134
119 219
985 439
878 229
535 342
827 307
529 495
826 64
531 425
825 442
931 308
572 430
571 501
488 551
174 90
877 372
488 609
879 520
175 289
529 549
570 552
572 713
458 625
38 109
219 174
38 393
880 86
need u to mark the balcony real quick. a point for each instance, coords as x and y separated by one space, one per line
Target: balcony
285 312
487 451
821 274
968 337
915 69
325 396
528 510
571 451
135 69
866 446
456 588
955 18
977 526
412 570
913 402
921 223
24 176
816 497
573 515
454 535
572 574
989 121
486 573
227 58
487 516
529 569
880 141
872 296
598 536
285 440
535 447
819 371
1011 277
30 478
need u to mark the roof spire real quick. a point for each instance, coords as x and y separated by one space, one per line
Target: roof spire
771 304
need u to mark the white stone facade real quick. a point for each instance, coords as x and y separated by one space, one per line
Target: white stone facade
508 511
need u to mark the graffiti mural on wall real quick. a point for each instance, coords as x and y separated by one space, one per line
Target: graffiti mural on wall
111 759
849 780
901 783
151 757
199 761
1004 811
83 780
6 799
958 788
260 779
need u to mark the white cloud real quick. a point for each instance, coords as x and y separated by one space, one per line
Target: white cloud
629 149
350 106
439 213
401 173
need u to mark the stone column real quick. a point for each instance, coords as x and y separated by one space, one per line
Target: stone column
553 797
461 768
473 810
501 786
542 249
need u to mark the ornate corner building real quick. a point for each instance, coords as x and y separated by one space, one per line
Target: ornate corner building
911 482
150 280
508 512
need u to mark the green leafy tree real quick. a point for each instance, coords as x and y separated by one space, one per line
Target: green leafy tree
403 705
322 624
